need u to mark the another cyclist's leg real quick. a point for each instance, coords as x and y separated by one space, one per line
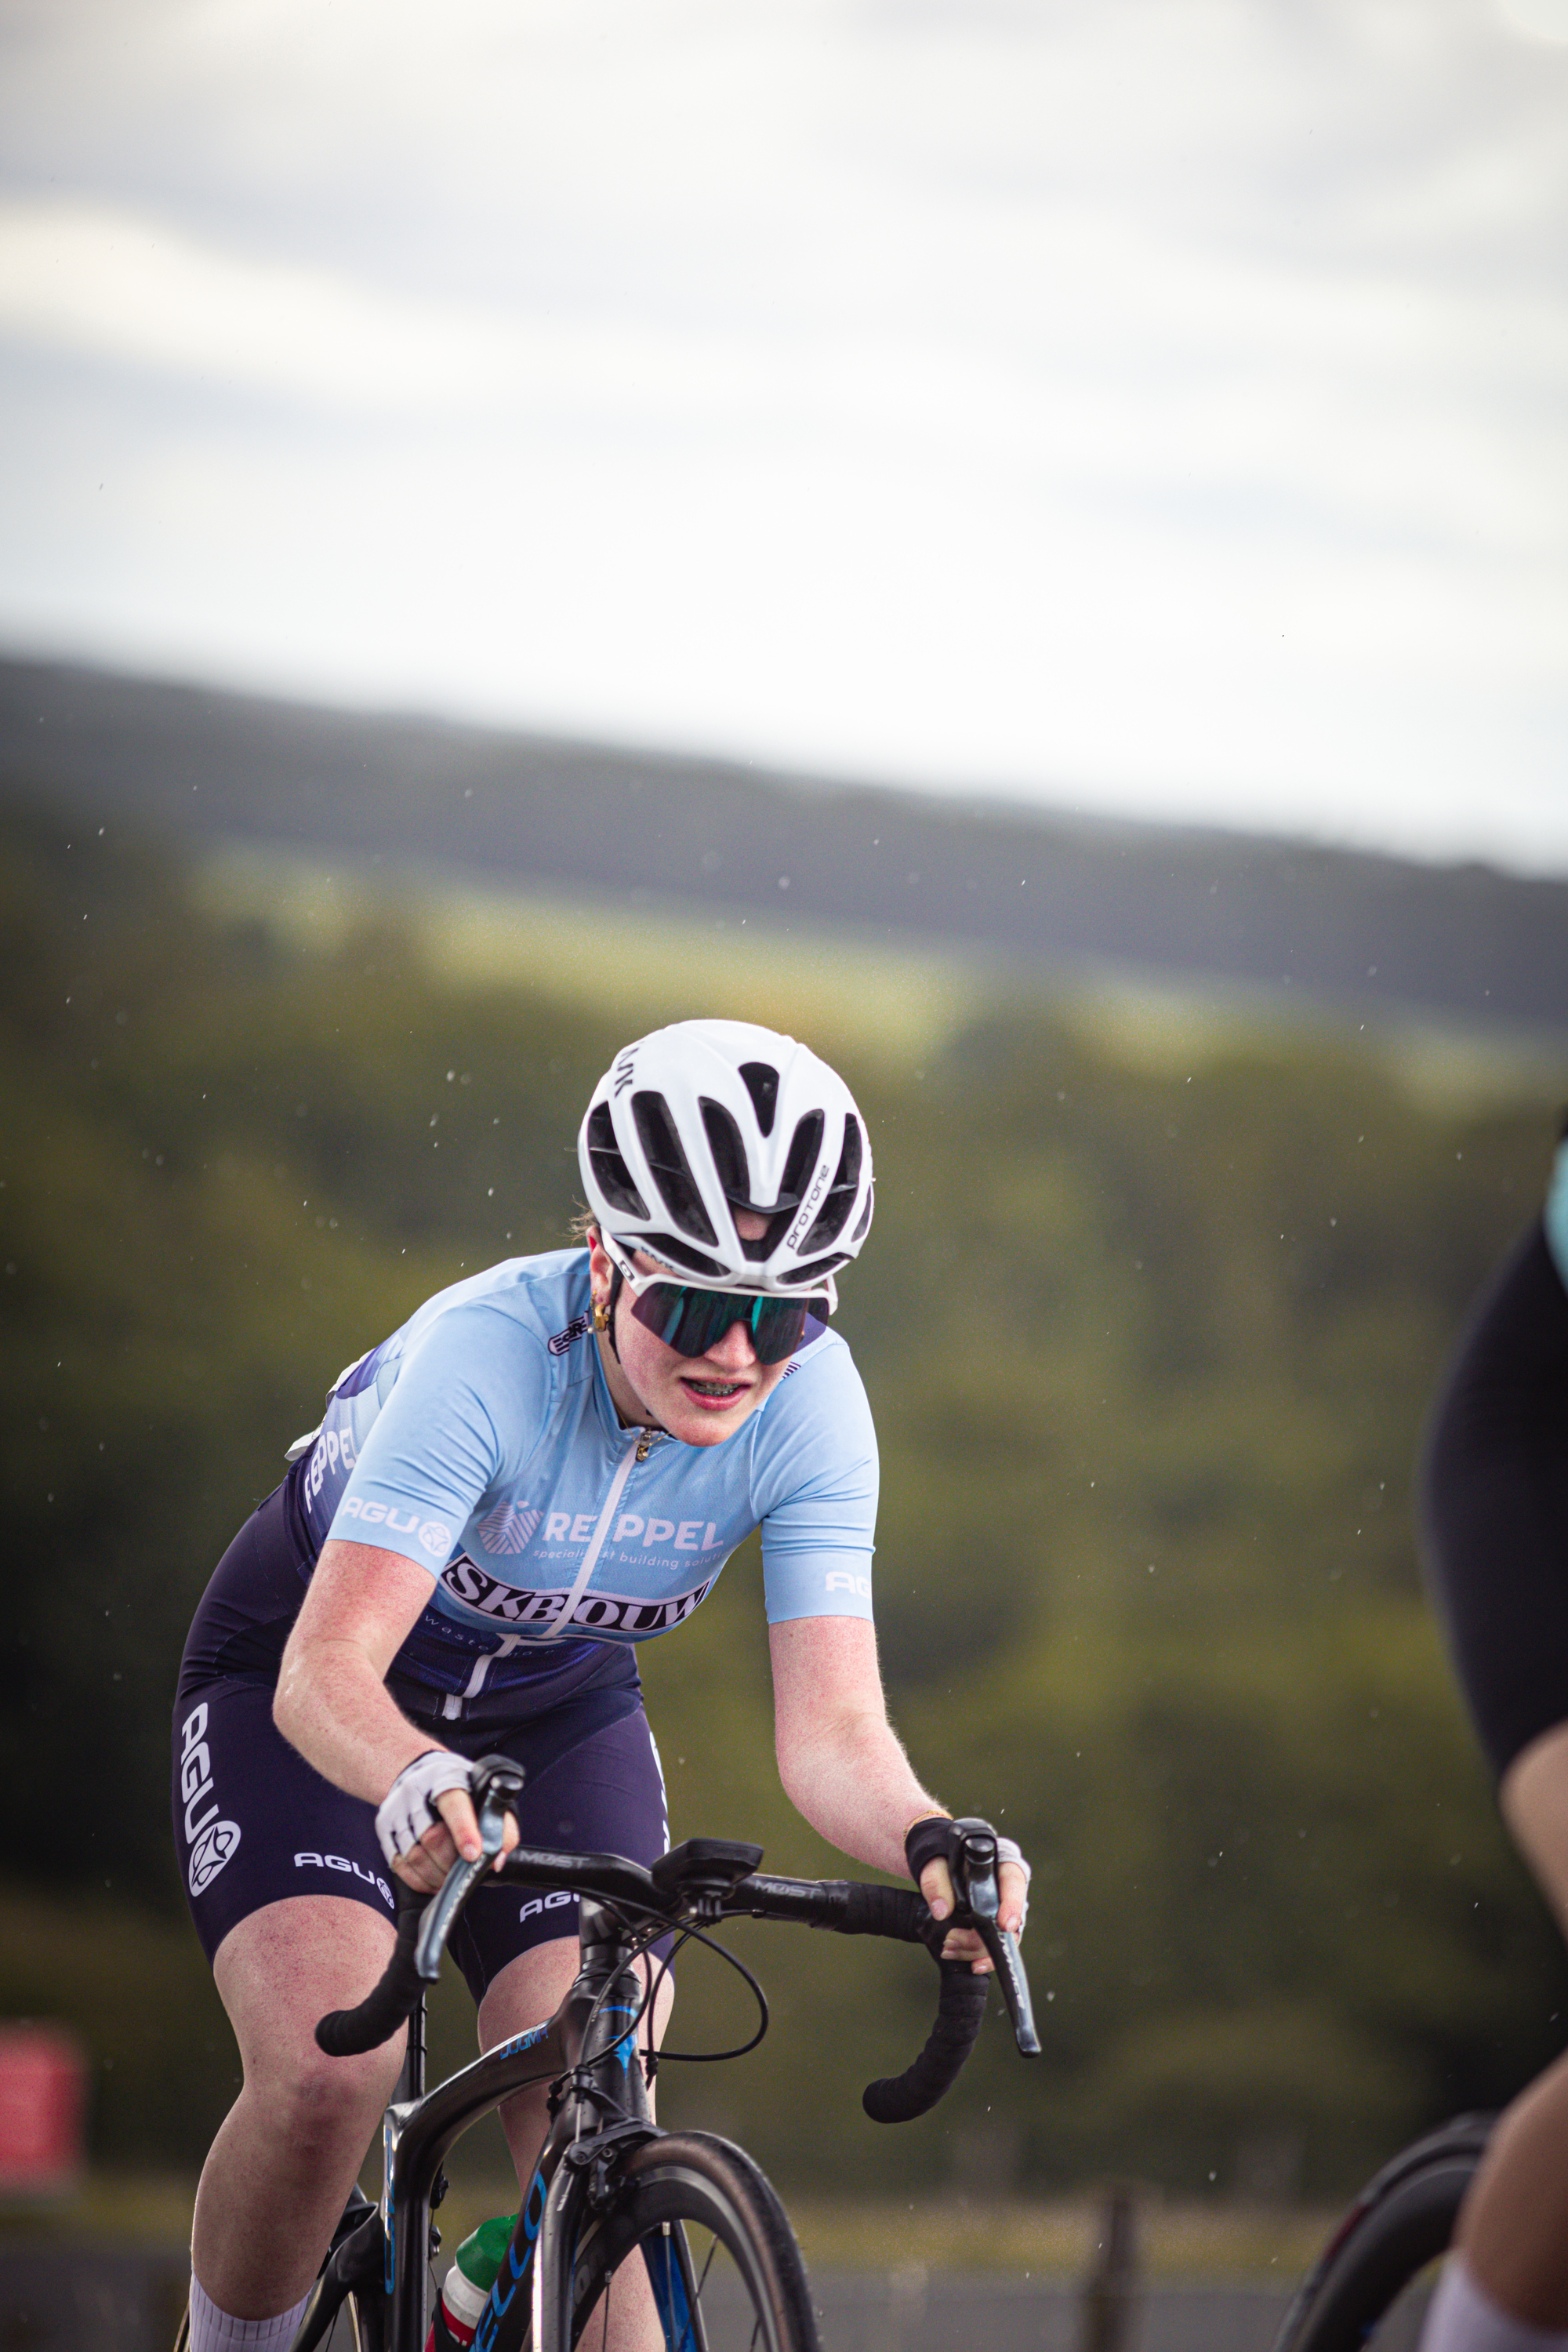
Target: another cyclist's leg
1513 2230
1496 1544
1463 2318
290 2149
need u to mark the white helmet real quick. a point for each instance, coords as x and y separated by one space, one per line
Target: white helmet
695 1122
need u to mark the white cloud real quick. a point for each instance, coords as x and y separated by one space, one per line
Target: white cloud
1158 402
1542 20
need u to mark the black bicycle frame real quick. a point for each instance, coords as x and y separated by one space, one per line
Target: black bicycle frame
589 2045
587 2051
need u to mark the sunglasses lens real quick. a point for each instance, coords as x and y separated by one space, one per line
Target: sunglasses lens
691 1320
778 1327
687 1320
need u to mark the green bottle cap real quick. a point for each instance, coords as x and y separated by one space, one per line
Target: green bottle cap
481 2255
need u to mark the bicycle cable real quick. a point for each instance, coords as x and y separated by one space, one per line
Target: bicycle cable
641 1944
693 1934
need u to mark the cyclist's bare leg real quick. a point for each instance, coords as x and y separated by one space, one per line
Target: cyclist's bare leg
291 2145
526 1992
1514 2226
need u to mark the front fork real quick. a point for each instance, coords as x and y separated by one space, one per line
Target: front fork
601 2110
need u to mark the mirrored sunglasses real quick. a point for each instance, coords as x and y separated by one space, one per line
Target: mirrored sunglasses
692 1317
691 1320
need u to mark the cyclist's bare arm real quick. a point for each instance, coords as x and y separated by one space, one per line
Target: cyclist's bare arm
332 1703
843 1767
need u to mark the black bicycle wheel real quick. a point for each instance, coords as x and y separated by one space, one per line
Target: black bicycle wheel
718 2252
1375 2277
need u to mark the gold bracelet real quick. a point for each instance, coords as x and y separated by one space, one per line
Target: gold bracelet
931 1813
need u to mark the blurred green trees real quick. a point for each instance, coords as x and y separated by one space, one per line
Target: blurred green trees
1150 1343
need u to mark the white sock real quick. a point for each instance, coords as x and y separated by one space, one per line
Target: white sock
213 2330
1462 2317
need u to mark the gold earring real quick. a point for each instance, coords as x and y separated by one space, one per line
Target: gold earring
601 1316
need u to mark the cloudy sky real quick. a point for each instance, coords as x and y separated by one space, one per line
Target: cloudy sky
1157 406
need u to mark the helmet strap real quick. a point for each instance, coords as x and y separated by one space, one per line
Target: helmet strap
605 1325
617 1283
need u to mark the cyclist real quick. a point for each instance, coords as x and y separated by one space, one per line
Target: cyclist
1496 1514
545 1464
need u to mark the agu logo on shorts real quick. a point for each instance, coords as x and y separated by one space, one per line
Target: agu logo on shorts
212 1841
212 1850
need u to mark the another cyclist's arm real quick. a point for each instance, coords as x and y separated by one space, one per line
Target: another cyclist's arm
841 1762
332 1703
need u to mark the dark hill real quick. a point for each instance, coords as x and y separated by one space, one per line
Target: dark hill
1042 889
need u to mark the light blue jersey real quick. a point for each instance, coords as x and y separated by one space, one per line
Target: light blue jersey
1557 1213
480 1441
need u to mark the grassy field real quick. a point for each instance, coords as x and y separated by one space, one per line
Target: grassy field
1055 2241
897 1000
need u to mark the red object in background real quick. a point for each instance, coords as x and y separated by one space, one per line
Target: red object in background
43 2083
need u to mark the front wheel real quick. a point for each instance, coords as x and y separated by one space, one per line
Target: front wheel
719 2256
1372 2283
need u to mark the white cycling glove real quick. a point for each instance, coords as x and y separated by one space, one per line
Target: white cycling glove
405 1812
1008 1850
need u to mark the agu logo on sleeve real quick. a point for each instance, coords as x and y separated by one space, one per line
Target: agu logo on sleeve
212 1841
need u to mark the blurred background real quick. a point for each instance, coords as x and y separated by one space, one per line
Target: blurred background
1021 543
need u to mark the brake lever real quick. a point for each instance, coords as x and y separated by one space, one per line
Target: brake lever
497 1790
981 1895
1002 1947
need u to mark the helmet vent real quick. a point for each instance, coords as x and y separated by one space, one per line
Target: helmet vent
841 1192
614 1177
761 1082
729 1154
796 1277
678 1253
656 1128
802 1160
864 1227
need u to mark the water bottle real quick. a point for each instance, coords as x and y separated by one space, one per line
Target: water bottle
466 2288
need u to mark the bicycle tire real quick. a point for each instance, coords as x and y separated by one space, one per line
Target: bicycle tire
681 2201
1402 2224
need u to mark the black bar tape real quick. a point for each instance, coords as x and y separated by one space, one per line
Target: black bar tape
346 2032
962 2006
893 1911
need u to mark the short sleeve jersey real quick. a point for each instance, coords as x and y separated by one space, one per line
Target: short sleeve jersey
480 1441
1556 1214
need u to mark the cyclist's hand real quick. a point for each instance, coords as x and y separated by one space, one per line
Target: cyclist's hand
424 1866
962 1943
923 1850
427 1820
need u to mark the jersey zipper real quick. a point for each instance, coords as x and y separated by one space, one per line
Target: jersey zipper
637 1450
640 1447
